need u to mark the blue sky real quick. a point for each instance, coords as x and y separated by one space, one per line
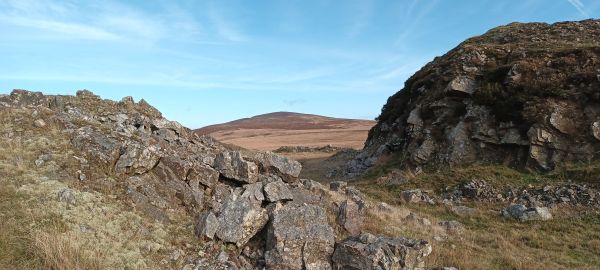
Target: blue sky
205 62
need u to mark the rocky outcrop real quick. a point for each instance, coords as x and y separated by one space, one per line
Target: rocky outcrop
248 210
520 94
370 252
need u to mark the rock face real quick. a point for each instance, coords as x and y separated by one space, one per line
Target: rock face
370 252
299 237
253 204
514 95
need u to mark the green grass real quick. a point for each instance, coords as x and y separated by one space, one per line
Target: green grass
569 241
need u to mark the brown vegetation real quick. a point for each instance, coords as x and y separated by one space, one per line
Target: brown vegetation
271 131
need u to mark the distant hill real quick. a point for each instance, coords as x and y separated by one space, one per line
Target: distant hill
273 130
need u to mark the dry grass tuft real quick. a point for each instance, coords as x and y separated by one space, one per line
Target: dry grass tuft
61 252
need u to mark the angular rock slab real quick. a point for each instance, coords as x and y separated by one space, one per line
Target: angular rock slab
286 168
202 174
299 237
206 225
233 166
596 130
349 217
241 217
523 213
461 85
137 159
370 252
277 191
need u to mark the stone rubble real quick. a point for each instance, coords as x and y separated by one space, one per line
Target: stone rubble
250 210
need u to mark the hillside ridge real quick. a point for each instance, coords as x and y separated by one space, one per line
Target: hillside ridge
281 120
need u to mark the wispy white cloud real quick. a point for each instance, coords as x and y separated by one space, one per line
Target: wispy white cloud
414 14
579 6
81 31
363 11
108 20
224 26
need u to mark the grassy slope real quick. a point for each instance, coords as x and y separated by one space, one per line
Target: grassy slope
570 241
98 231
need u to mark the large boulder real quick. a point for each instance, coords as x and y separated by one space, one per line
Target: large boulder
370 252
299 237
233 166
242 215
524 213
286 168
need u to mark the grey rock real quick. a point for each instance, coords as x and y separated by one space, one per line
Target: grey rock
463 211
66 195
370 252
137 159
452 226
241 217
286 168
299 237
424 152
596 130
277 191
313 185
415 196
523 213
461 85
206 225
254 192
202 174
349 217
358 197
414 218
384 207
40 123
233 166
97 145
178 166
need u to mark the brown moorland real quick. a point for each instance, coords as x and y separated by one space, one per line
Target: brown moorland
273 130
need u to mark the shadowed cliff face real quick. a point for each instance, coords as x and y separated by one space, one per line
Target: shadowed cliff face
521 94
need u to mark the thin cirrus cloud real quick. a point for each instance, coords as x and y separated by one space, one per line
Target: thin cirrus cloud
108 21
64 29
579 6
223 25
